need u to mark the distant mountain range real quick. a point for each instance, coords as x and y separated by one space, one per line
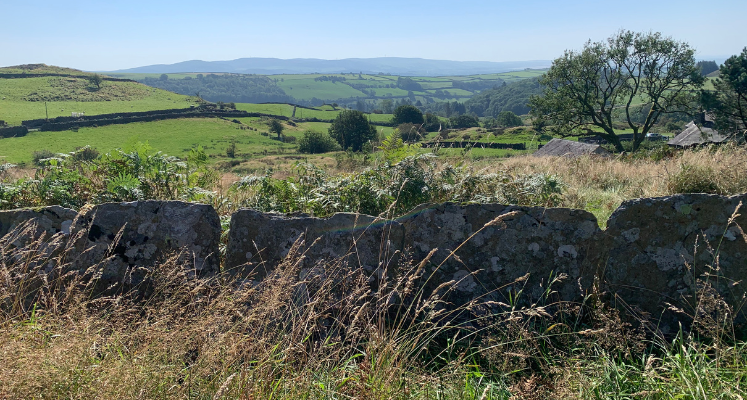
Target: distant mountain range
388 65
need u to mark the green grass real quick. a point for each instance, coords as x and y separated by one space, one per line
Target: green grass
306 89
285 110
174 137
23 99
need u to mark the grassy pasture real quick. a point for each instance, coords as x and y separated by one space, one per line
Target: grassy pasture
306 89
22 99
174 137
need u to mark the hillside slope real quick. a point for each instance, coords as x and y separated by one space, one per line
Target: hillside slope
512 97
40 91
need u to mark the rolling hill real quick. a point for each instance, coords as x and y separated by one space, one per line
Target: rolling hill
40 91
385 65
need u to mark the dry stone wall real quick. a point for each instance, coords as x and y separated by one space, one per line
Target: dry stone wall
122 241
667 249
655 255
258 242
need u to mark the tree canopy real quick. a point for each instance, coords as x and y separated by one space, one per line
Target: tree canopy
507 119
512 97
352 130
276 127
729 102
407 114
612 79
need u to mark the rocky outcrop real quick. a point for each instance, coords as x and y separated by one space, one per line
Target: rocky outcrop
43 220
494 245
117 243
655 250
258 242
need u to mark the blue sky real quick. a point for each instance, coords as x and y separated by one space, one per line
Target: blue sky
98 35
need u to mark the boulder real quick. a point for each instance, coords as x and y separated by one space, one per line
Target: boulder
655 250
493 245
258 242
118 243
45 220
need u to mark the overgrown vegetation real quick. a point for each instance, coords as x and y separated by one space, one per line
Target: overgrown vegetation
329 333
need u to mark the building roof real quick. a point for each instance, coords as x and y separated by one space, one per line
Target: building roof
694 135
568 148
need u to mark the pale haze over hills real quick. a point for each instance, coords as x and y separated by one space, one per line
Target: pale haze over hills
391 65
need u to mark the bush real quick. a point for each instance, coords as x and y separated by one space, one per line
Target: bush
39 155
407 114
432 122
85 153
508 119
231 150
693 179
463 121
410 132
313 142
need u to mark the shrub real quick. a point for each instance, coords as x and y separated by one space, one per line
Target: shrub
39 155
508 119
85 153
410 132
463 121
231 150
693 178
313 142
407 114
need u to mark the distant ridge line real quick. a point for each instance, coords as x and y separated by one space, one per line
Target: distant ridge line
388 65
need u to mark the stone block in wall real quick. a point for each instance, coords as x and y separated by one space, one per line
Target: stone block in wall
655 249
258 241
541 242
123 240
44 220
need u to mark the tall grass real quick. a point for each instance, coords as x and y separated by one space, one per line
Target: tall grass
600 185
328 332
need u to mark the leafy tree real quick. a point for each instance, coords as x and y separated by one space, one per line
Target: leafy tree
589 89
431 122
313 142
163 77
408 84
729 102
276 127
231 150
407 114
464 121
352 130
512 97
410 132
507 119
387 105
96 80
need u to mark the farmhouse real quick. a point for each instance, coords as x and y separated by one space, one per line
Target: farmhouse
568 148
695 135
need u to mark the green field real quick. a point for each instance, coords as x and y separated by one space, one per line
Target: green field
174 137
23 99
56 95
306 87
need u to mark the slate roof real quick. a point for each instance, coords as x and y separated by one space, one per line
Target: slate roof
693 135
568 148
